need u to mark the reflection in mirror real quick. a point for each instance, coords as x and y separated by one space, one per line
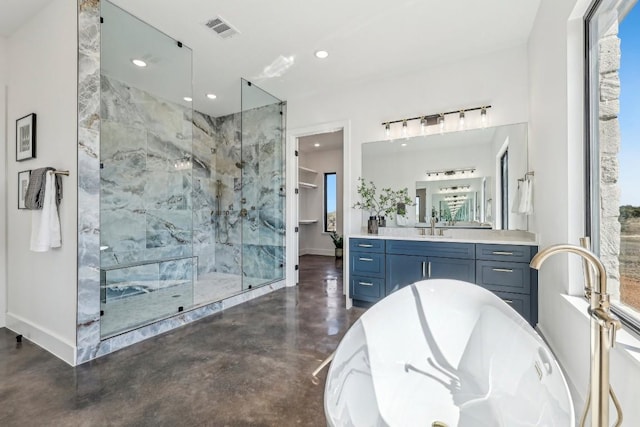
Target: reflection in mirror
457 177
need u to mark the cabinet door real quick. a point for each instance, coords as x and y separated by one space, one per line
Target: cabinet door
451 268
403 270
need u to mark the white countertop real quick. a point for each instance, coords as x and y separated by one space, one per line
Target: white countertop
494 237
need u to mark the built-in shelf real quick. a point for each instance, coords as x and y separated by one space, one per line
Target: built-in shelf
303 169
307 185
307 221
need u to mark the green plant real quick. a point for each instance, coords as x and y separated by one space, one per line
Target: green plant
386 204
337 239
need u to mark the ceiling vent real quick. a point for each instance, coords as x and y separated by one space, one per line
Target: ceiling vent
221 27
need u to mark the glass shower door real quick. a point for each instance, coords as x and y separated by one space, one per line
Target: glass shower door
263 186
146 228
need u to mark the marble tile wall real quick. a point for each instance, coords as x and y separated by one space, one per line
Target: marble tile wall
145 201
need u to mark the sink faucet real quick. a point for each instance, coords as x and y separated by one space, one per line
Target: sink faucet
603 331
433 226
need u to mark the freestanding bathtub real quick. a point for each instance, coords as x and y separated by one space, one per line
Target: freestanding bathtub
445 353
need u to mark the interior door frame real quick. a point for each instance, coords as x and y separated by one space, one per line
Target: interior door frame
292 198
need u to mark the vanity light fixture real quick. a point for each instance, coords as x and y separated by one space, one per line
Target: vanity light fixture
439 120
321 54
451 172
211 96
139 63
188 98
455 189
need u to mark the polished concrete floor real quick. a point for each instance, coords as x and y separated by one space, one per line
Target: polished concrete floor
247 366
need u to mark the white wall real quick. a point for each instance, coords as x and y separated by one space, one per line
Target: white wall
3 181
313 240
42 59
499 79
556 73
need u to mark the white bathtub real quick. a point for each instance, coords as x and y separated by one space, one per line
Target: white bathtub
447 351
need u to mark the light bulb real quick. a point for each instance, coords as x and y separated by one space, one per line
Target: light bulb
405 129
387 130
441 122
483 117
462 119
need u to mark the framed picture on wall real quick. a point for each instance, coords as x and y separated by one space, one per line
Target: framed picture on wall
26 137
23 183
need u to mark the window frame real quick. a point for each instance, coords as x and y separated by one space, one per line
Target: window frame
324 207
592 162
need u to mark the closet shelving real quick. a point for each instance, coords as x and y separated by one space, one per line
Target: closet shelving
309 175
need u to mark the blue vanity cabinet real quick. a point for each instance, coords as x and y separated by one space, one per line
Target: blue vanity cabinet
379 267
366 270
505 270
409 261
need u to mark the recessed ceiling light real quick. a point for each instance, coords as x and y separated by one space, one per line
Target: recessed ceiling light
188 98
211 96
322 54
139 63
316 145
404 144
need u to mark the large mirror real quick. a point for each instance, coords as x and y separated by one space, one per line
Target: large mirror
460 179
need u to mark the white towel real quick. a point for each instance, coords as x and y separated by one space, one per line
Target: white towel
45 223
526 200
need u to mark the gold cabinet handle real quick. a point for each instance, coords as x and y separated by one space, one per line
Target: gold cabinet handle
362 245
501 253
503 270
365 259
365 283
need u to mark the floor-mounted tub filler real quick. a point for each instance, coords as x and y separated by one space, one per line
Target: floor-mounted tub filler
445 353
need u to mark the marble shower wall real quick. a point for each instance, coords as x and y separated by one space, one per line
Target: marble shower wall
145 200
239 157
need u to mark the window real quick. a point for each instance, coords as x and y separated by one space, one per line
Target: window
330 201
612 32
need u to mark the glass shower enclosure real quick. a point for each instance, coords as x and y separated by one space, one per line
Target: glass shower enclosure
191 206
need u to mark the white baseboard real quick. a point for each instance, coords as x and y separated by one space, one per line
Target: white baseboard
312 251
42 337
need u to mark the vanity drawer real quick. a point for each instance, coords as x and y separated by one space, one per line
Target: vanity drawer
366 245
367 264
369 289
504 276
520 303
515 253
435 249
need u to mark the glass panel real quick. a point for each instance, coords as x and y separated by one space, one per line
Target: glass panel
614 88
263 187
146 227
330 201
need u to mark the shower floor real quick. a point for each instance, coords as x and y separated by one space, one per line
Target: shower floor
131 312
